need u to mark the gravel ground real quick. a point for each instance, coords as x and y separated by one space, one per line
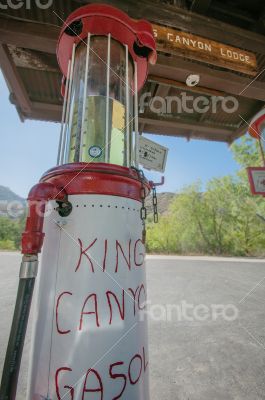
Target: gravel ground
199 355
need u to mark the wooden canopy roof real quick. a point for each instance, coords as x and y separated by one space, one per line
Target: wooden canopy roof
193 37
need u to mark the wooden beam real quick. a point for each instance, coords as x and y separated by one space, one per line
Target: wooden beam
181 85
38 37
32 59
200 6
186 133
30 35
44 37
160 122
190 21
169 15
234 12
47 112
14 80
178 69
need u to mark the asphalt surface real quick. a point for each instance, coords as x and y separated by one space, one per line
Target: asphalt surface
198 354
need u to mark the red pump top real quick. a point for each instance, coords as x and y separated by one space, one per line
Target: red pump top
104 19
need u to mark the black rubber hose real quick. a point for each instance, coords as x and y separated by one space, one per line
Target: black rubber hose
16 339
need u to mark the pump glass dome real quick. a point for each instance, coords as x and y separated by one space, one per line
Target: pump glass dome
100 111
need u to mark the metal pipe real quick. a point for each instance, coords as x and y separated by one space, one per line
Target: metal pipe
107 103
84 100
28 273
66 113
127 109
67 121
136 119
261 150
62 132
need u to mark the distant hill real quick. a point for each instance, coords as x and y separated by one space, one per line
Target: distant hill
11 204
163 201
7 194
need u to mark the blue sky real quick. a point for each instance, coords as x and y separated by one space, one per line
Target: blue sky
28 149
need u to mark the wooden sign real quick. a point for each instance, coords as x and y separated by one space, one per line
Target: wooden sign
172 41
256 177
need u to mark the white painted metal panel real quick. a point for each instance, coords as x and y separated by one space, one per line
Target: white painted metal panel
90 332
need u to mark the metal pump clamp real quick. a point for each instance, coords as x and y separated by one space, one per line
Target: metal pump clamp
29 267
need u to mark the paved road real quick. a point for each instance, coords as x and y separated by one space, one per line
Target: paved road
203 352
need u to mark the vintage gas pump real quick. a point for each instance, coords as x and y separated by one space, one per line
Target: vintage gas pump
89 336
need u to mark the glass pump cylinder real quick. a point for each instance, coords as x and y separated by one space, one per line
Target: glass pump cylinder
100 110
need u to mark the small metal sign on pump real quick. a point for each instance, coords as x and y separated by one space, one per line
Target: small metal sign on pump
152 155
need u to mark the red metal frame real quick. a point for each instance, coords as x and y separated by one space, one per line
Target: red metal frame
255 127
102 19
76 178
251 182
97 178
39 195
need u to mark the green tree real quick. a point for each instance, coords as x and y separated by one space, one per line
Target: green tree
219 220
246 152
162 237
10 232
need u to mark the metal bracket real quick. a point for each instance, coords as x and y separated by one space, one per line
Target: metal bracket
154 184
